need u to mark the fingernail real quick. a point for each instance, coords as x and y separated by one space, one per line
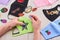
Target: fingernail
30 16
23 24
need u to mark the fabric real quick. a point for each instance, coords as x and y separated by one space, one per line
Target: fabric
52 1
5 2
21 1
24 29
40 3
52 13
53 30
17 8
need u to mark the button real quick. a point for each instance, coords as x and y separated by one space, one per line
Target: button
3 20
28 9
34 9
3 10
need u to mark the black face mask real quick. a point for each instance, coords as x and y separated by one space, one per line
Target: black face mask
53 13
17 8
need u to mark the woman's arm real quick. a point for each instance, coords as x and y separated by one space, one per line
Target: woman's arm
36 25
8 26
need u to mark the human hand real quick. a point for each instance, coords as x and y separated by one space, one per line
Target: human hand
35 22
14 22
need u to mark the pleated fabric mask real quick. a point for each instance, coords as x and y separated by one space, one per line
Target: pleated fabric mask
41 3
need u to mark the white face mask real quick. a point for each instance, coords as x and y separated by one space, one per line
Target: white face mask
40 3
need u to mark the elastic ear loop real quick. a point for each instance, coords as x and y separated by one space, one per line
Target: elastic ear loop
13 31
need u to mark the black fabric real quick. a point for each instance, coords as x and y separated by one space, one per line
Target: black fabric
54 16
16 5
24 26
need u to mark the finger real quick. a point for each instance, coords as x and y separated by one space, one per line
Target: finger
20 23
14 18
34 17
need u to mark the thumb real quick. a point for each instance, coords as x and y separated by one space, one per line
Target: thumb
20 23
32 19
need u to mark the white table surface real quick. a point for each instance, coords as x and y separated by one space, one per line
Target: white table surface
39 13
